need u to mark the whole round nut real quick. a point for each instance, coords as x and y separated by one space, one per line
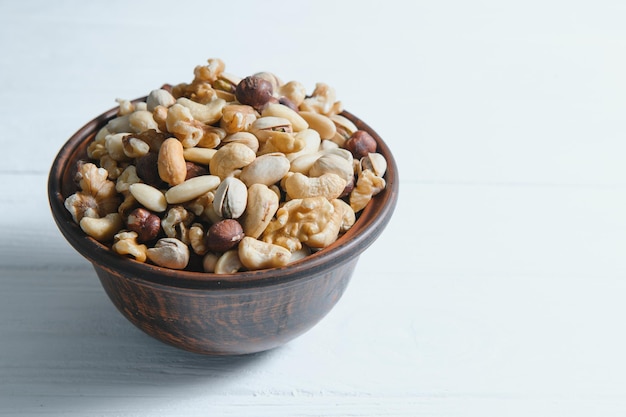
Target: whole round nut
287 102
254 91
361 144
224 235
148 171
147 225
195 170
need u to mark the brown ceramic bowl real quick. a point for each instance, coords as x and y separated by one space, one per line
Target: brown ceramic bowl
233 314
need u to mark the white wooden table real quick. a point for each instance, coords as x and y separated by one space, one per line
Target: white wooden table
498 288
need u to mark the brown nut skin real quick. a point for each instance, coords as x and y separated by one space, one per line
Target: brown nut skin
148 170
224 235
195 170
286 102
254 91
361 144
146 224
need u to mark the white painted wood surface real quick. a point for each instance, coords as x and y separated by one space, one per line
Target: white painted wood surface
498 288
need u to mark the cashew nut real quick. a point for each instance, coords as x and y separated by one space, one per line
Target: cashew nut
262 205
102 229
329 186
125 243
255 254
208 113
229 158
228 263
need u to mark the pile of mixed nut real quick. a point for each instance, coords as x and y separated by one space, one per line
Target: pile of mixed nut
226 174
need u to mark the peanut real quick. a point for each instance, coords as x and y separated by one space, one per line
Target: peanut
171 162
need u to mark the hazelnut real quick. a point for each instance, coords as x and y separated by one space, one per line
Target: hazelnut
146 224
361 144
148 171
224 235
254 91
195 170
289 103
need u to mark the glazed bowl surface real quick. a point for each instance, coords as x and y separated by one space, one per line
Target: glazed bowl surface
231 314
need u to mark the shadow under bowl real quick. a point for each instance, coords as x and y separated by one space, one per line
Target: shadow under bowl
233 314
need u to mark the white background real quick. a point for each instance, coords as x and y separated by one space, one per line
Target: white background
498 287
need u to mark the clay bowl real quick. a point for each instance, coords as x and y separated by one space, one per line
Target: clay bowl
214 314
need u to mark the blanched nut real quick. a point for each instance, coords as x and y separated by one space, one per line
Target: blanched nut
149 197
280 110
329 186
367 186
314 221
230 158
169 253
191 188
97 197
255 254
228 263
199 155
125 243
176 223
103 228
171 162
262 205
321 123
237 118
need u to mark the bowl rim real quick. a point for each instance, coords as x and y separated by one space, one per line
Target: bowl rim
373 219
